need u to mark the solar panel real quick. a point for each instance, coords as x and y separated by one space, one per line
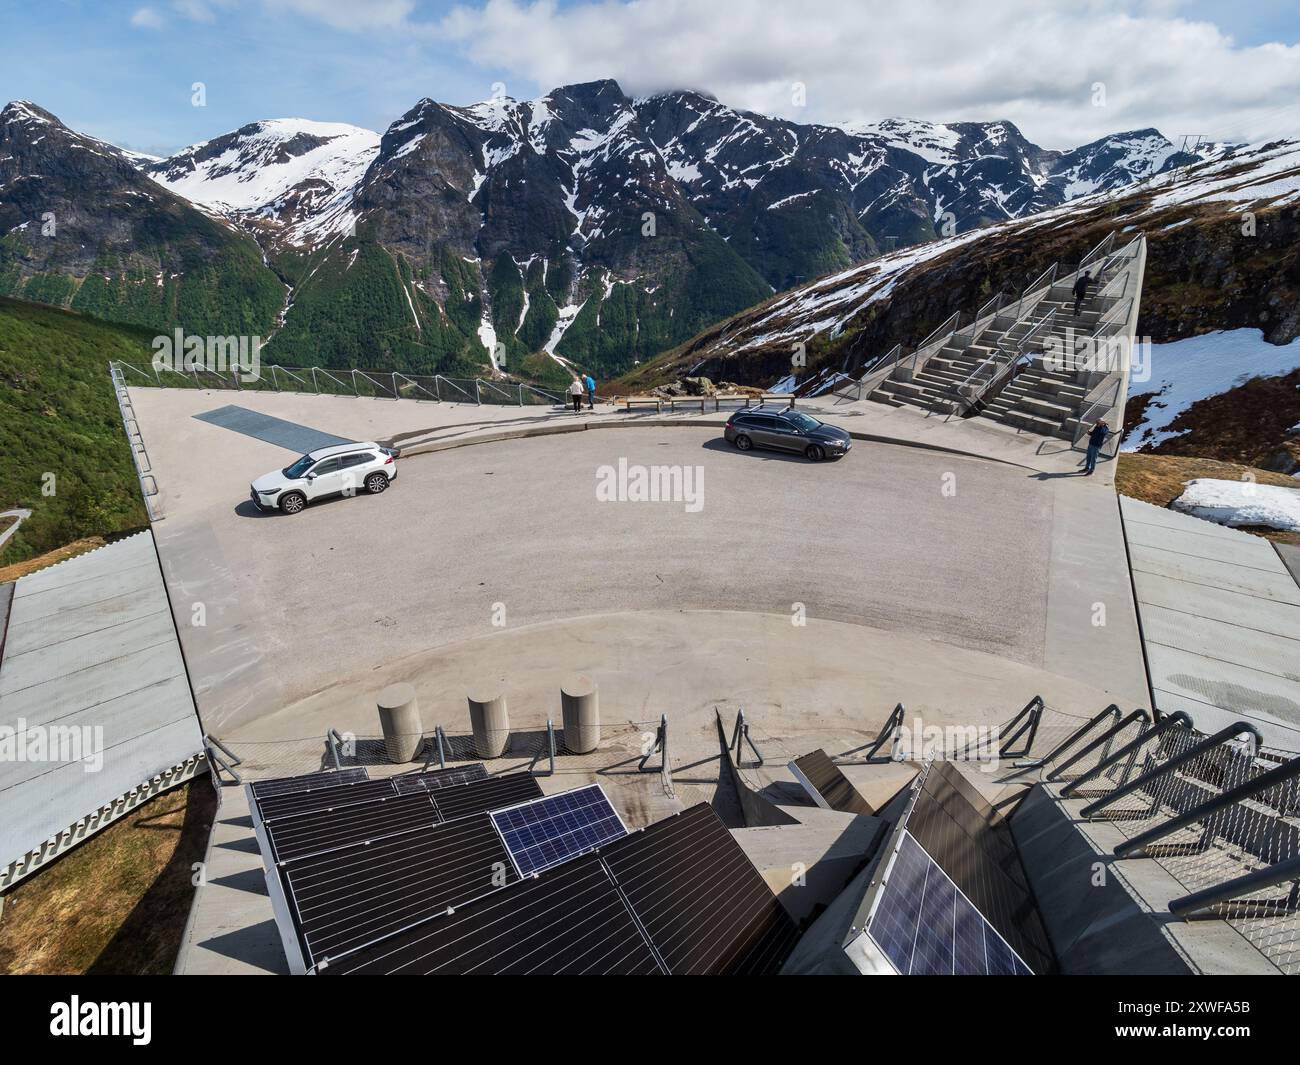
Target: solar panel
480 795
436 779
345 899
354 816
265 789
329 829
699 898
974 848
570 921
827 785
556 828
304 802
924 925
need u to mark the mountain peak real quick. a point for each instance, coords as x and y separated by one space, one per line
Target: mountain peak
20 110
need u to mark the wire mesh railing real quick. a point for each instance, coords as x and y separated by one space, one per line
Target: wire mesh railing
1213 811
370 384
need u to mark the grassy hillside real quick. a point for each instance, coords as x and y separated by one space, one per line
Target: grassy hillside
58 416
117 904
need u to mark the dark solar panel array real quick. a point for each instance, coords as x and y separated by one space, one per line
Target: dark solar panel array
570 921
306 802
368 892
926 927
265 789
439 778
341 826
703 904
490 794
356 817
831 784
551 830
342 900
979 856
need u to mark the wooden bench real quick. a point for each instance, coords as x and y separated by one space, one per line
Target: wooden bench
641 401
690 401
747 399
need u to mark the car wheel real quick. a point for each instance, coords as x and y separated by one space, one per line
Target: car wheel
293 502
376 483
743 442
815 452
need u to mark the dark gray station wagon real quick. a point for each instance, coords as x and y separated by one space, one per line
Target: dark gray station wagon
786 429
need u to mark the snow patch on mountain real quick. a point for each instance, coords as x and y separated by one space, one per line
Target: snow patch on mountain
260 163
1187 371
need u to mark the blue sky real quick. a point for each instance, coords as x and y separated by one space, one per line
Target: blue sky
124 71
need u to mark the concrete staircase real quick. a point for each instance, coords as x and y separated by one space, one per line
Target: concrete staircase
1036 398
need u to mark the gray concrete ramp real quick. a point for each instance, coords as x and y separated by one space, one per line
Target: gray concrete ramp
1220 616
94 700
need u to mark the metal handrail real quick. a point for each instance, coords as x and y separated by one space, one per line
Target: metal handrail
1140 716
1112 381
968 392
1285 771
888 731
1159 729
741 735
135 441
934 342
1245 885
880 370
985 315
1139 783
1101 249
1033 713
1076 735
318 379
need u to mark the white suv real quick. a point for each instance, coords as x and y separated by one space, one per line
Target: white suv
343 469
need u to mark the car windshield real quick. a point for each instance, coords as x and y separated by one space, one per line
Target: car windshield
802 421
299 467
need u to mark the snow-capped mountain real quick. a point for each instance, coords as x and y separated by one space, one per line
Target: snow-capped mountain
291 170
585 225
1223 262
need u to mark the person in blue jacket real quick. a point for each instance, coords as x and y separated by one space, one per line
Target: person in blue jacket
589 383
1096 437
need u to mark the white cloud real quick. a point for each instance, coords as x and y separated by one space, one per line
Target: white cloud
196 10
350 14
146 18
1032 62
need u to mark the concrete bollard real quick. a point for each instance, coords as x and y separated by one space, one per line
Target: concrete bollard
490 722
580 703
399 718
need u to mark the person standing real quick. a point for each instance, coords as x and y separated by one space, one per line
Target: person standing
1081 285
590 382
1096 438
575 394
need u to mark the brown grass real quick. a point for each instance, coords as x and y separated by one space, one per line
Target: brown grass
1159 479
59 554
117 904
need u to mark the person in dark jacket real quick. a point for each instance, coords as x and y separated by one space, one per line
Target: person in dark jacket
1081 285
1096 438
589 383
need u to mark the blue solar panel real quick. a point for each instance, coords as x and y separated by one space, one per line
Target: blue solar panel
545 832
925 926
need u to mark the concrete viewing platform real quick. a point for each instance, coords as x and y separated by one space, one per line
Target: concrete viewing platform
955 567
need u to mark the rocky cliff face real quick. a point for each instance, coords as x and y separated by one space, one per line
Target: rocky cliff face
81 226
